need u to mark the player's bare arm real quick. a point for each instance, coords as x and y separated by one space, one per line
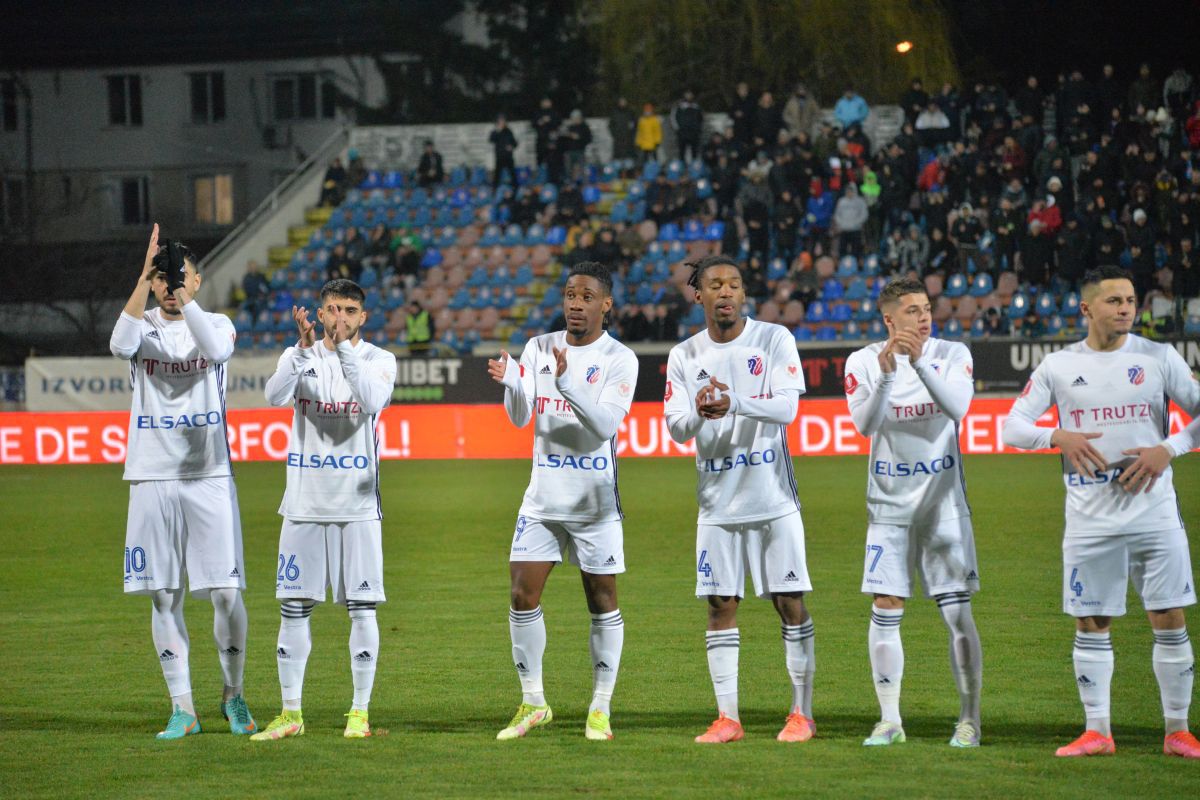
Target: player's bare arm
136 306
1077 448
560 360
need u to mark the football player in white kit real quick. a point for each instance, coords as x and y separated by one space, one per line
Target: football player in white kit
332 519
735 387
908 395
183 508
1111 391
577 385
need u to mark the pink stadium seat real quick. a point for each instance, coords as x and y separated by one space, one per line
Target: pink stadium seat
933 285
966 309
793 314
647 230
455 277
444 320
435 277
943 309
438 299
474 258
825 266
489 318
540 256
518 255
465 320
768 312
496 256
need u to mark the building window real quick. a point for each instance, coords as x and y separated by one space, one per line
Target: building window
208 97
135 201
213 199
12 204
8 105
125 100
306 95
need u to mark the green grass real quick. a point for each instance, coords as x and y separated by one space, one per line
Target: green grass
81 694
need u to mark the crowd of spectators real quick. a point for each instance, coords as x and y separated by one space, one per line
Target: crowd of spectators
1030 188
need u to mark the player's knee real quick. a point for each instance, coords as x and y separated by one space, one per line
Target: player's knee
224 601
524 598
722 611
790 608
1167 618
601 593
164 600
889 602
1093 624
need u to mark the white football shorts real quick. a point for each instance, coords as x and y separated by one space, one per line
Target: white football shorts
942 553
344 556
183 524
594 547
771 550
1097 568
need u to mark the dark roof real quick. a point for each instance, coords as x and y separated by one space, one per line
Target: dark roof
74 33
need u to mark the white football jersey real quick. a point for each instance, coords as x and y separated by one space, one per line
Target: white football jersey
333 460
177 421
914 474
1124 396
744 468
574 474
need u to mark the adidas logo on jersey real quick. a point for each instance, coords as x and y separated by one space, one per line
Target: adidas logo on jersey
791 576
603 667
612 562
233 573
1079 382
311 372
703 375
363 657
167 655
1085 682
281 653
154 335
544 370
521 667
364 587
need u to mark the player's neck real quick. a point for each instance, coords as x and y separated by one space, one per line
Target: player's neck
584 339
1103 342
170 316
725 335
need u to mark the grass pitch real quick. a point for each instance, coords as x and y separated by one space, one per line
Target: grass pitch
81 694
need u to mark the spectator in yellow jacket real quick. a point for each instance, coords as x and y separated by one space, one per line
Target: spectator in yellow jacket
649 134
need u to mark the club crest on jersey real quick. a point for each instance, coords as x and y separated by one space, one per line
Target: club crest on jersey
670 390
593 374
851 383
1137 375
755 364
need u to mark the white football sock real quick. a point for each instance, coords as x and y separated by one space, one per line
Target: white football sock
1093 656
229 632
966 654
364 651
887 659
527 629
171 644
291 654
723 668
1174 668
605 641
797 648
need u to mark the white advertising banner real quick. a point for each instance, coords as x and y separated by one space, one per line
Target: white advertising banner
102 384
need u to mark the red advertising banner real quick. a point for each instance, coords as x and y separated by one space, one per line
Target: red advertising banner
822 428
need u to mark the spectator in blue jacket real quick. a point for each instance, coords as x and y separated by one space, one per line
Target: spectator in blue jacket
850 108
818 213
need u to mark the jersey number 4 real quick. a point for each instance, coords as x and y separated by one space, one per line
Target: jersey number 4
1075 585
702 566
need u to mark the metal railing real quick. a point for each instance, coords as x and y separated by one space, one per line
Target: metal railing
256 218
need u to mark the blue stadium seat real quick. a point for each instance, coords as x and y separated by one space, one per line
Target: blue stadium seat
776 268
650 170
1055 325
1070 305
478 277
953 329
876 329
715 231
677 251
501 277
832 289
693 230
619 212
669 232
372 181
548 194
491 236
644 294
482 298
591 194
556 236
802 333
826 333
553 297
865 311
368 278
841 312
857 290
636 191
393 179
978 329
870 266
1045 305
243 322
851 331
459 300
956 286
847 266
431 258
817 311
513 236
1019 306
523 275
704 188
981 285
393 299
